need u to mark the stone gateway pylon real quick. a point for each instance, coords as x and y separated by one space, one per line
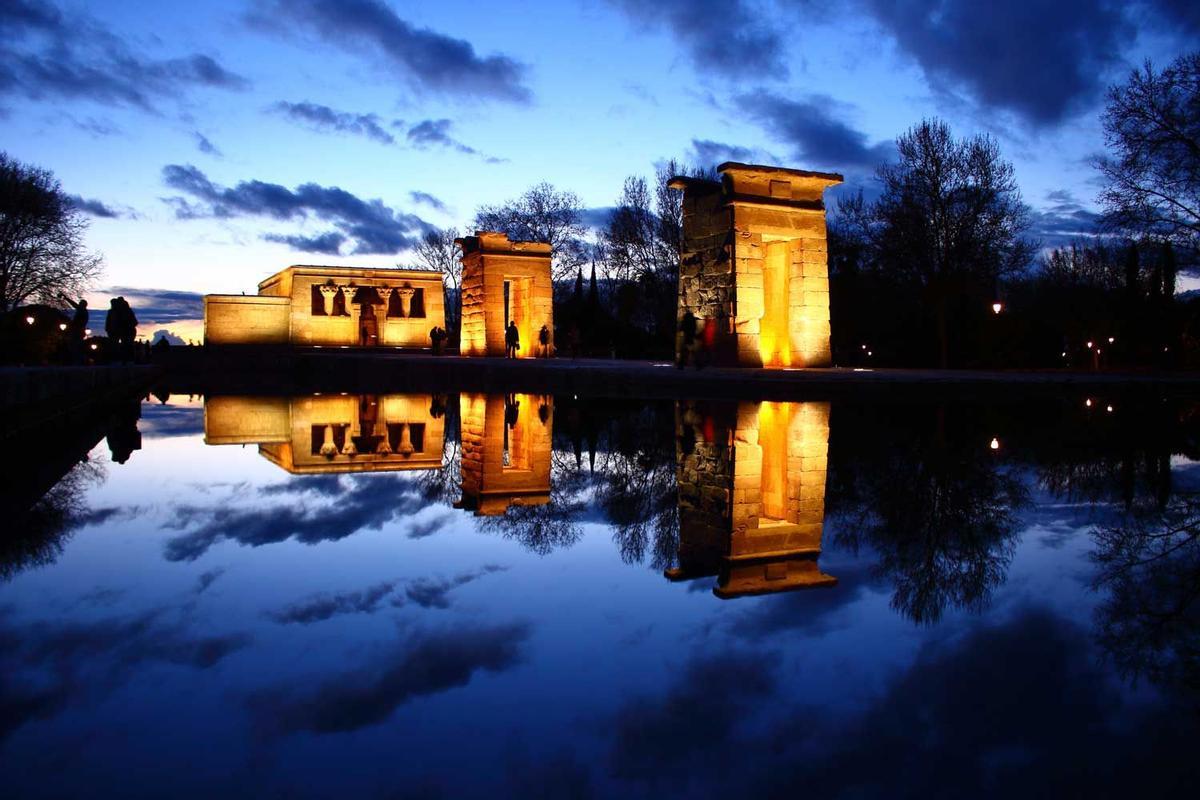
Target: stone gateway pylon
503 282
753 266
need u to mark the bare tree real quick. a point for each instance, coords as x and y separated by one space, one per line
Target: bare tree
41 238
542 214
950 217
1152 127
437 251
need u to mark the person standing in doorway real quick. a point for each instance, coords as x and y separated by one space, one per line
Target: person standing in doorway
512 340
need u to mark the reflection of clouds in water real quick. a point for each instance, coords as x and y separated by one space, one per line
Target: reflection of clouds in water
207 579
49 666
976 715
417 664
424 592
366 501
163 421
421 529
813 612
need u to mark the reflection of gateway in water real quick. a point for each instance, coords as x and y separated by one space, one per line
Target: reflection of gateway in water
334 433
505 451
752 495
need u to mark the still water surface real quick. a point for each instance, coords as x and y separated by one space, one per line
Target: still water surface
533 596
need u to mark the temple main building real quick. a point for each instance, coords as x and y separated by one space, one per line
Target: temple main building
331 306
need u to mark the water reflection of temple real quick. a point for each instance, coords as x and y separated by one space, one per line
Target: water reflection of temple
505 451
751 495
333 433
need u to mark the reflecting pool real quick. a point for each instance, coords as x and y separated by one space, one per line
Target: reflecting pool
469 595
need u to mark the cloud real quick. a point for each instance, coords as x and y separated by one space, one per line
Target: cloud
50 666
208 578
1044 60
322 607
368 501
420 664
427 60
435 132
813 131
423 529
693 724
596 217
1063 220
327 120
160 306
328 244
707 153
93 207
204 145
432 592
425 198
725 37
163 421
172 338
372 227
46 53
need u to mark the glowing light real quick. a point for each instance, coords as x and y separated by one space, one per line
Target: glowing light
997 307
1108 409
869 352
93 345
29 320
1064 354
88 332
62 326
994 444
864 347
1111 340
1088 402
1090 345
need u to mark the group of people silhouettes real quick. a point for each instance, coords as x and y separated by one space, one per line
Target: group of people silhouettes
120 325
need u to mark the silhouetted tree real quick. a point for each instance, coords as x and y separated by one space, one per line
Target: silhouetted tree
41 238
436 250
542 214
1152 177
950 219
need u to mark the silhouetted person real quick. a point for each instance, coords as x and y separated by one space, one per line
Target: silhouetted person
512 340
544 340
687 329
123 434
511 407
121 327
76 329
436 337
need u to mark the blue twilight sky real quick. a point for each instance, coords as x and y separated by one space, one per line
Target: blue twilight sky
216 142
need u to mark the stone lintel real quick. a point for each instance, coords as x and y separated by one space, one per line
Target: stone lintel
494 243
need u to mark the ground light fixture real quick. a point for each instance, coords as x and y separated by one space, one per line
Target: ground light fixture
997 307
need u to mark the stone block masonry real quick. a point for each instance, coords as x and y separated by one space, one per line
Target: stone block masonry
753 265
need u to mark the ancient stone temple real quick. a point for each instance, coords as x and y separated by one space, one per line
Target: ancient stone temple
751 495
753 265
504 282
505 451
333 433
331 306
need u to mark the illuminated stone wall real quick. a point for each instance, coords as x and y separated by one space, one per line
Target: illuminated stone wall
754 266
505 451
238 319
333 433
331 306
490 261
751 482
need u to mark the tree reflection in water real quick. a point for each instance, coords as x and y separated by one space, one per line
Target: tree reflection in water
1150 568
937 508
36 537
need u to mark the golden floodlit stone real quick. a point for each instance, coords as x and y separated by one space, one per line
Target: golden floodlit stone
753 262
331 306
505 281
